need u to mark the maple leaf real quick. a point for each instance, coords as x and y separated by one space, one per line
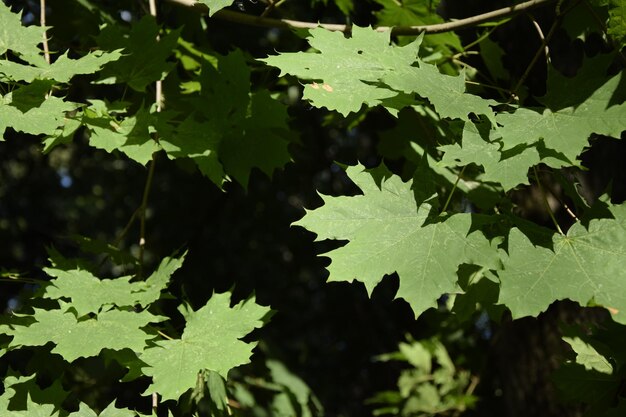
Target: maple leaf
62 70
588 356
417 13
129 135
216 5
576 108
347 70
33 409
211 340
144 59
22 388
232 130
89 294
43 119
388 232
199 141
586 265
616 27
111 411
21 40
445 92
262 142
509 169
366 69
75 339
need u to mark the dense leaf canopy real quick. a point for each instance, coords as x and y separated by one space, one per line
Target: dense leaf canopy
378 207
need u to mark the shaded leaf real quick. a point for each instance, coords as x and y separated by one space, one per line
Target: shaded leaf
144 59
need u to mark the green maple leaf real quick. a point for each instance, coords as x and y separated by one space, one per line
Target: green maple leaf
129 135
198 140
89 294
23 388
144 59
33 409
44 118
508 170
211 340
19 39
576 108
445 92
216 5
417 13
366 69
113 329
347 71
262 142
586 265
232 130
149 291
111 411
616 27
62 70
388 232
588 356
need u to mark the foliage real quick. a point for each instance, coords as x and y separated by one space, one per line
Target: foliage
432 386
461 139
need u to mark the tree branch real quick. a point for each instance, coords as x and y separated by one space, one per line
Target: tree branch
251 20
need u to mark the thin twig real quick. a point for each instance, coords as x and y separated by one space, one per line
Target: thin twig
142 215
22 280
146 192
472 21
42 22
159 83
118 240
536 57
493 87
458 177
546 203
271 4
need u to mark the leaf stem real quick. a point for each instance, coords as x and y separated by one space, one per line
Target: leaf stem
458 177
142 215
471 21
164 335
546 203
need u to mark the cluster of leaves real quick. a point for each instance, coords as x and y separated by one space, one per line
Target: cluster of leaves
432 386
444 221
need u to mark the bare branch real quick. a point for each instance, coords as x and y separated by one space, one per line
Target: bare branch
472 21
